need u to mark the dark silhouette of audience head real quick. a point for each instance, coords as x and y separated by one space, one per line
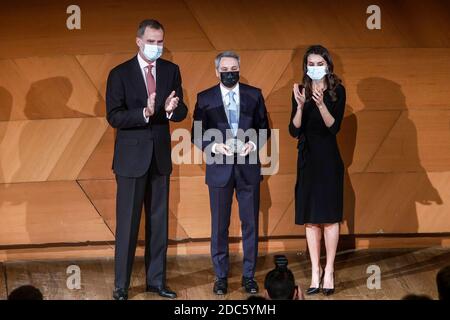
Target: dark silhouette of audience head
280 282
256 298
26 293
443 283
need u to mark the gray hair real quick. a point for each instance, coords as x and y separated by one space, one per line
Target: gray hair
226 54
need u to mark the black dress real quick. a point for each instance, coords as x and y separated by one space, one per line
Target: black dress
320 169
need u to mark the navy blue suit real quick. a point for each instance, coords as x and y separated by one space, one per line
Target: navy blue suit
223 178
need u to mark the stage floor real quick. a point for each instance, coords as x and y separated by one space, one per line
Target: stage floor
403 271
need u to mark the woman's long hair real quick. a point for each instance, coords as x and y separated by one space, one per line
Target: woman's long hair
331 80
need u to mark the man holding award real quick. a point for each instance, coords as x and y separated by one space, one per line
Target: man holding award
231 125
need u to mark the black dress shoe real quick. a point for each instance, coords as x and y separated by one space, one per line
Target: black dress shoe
164 292
120 294
250 285
315 290
220 286
328 291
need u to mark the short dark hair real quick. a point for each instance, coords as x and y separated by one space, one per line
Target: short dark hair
280 284
151 23
443 283
26 293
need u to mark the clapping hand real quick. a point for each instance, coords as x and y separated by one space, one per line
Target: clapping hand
223 149
299 96
171 102
246 149
318 98
150 110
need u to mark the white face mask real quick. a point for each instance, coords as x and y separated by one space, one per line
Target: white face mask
316 72
152 51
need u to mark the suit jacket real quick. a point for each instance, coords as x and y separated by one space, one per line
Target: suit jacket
210 110
137 140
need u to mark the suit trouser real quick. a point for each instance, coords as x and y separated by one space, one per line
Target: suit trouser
152 190
220 201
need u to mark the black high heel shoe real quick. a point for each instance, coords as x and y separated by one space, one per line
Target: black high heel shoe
314 290
329 291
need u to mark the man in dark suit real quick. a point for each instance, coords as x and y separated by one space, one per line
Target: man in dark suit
234 116
142 96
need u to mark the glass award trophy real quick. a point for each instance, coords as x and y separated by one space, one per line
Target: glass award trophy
235 145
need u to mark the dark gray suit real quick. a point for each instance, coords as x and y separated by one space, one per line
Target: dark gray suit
142 164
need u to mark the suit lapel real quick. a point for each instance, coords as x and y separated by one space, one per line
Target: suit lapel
242 104
138 80
161 81
218 103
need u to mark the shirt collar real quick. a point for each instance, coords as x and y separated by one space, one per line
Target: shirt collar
224 90
143 63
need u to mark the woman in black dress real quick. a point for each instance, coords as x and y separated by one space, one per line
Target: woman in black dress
317 110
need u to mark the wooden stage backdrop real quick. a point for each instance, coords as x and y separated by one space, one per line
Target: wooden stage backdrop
57 188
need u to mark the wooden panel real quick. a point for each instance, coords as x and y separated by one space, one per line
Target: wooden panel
359 139
187 160
394 139
6 103
287 24
48 212
379 79
388 203
283 149
99 164
276 196
194 212
102 193
100 31
48 88
258 68
287 227
60 252
97 67
369 198
415 202
189 205
379 141
419 142
361 136
261 69
41 150
411 80
285 27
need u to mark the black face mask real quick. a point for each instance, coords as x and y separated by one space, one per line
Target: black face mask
229 79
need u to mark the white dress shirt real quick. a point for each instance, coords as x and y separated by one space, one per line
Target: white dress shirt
143 65
226 102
